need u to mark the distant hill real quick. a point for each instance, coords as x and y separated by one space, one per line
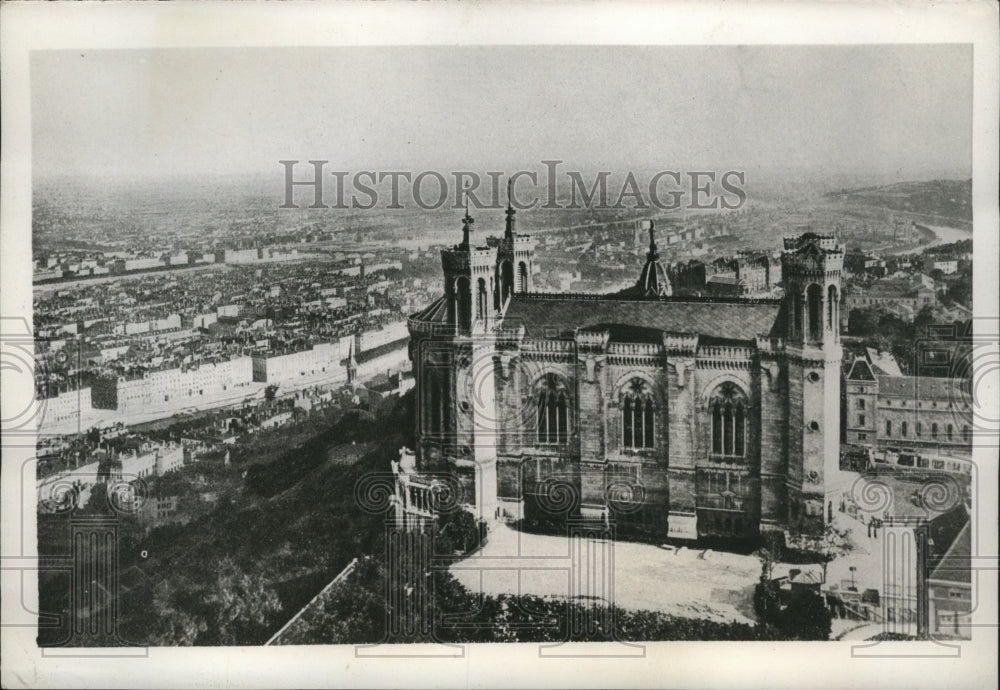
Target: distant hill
944 198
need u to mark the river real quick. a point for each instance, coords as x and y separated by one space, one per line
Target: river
943 235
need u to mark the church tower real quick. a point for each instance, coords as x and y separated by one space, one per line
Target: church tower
453 350
515 260
811 269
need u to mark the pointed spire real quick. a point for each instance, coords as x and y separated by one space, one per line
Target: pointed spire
653 281
509 232
352 364
653 254
467 222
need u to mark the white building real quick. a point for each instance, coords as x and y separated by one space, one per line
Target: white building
320 364
369 340
946 267
209 384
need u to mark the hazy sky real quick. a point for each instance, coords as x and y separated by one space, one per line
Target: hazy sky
901 111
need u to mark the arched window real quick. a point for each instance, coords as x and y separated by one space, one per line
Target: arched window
638 416
506 281
919 428
729 412
951 432
888 427
464 296
717 429
797 310
934 430
965 434
522 277
814 297
831 311
902 430
553 412
481 303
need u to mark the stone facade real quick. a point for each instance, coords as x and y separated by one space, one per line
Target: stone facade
681 417
888 411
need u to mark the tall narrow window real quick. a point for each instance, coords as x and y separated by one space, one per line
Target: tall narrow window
738 425
647 424
814 297
628 423
934 430
522 277
638 416
506 282
902 430
951 432
716 430
543 417
464 298
553 412
729 412
797 308
727 430
888 427
831 309
965 434
919 428
481 299
562 420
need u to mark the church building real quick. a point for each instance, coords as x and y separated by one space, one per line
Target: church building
685 417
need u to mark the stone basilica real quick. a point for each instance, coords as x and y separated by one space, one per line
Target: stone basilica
684 417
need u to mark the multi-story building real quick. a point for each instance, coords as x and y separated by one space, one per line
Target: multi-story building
320 363
750 273
886 410
904 298
683 416
202 385
390 333
65 410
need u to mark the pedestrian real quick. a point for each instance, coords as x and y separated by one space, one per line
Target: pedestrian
869 529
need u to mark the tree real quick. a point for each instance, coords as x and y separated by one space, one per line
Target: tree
176 622
924 318
805 618
241 605
98 500
457 532
830 544
862 322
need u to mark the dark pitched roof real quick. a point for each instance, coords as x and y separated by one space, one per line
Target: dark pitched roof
860 371
435 312
922 388
555 316
950 556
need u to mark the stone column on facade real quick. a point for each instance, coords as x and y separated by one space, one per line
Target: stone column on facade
683 434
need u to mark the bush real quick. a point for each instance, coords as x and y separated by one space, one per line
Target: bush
805 618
